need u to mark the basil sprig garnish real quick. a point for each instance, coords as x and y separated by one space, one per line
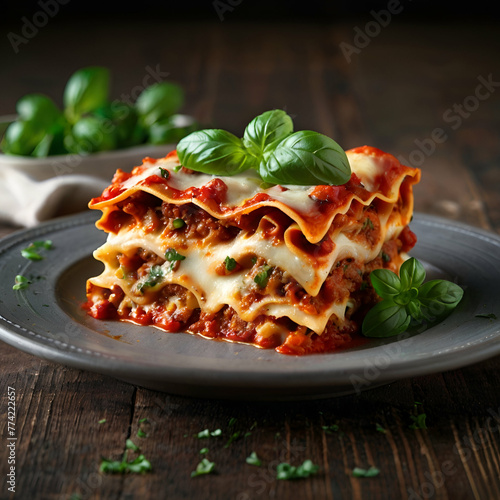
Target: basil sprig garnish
270 147
408 300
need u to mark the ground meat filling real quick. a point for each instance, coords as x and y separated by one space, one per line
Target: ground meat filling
174 308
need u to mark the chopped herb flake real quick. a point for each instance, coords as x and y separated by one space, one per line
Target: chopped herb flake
488 316
253 459
137 466
386 257
206 433
31 252
379 428
230 263
286 471
204 467
418 421
262 277
368 224
173 256
102 421
130 445
154 277
21 282
164 173
330 429
203 451
371 472
233 438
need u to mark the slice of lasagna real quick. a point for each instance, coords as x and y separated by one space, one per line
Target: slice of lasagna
284 267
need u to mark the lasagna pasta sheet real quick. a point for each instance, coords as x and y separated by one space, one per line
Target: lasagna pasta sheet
228 257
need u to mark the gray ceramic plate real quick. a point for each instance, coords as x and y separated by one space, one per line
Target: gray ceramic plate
47 320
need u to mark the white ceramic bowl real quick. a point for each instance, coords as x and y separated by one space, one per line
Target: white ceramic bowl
36 189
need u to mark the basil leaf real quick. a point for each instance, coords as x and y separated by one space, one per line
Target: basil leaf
414 310
39 108
159 101
91 134
306 158
121 118
171 129
439 297
385 282
22 137
411 274
213 151
52 143
87 89
385 319
265 131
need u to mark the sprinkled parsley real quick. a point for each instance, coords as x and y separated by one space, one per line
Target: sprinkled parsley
230 263
154 277
371 472
21 282
253 459
330 429
207 433
139 465
102 421
173 256
140 431
418 419
130 445
379 428
164 173
32 252
286 471
487 316
367 224
262 277
236 435
204 467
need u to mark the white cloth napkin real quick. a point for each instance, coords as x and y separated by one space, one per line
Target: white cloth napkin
33 190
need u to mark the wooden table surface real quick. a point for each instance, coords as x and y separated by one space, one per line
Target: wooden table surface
429 93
